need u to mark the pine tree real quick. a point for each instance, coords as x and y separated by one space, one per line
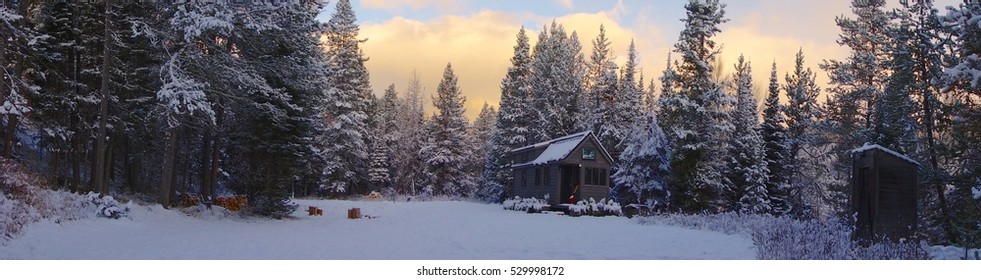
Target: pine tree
385 136
777 151
748 175
893 123
448 150
856 83
597 85
406 175
514 118
556 82
481 134
669 103
962 78
697 113
860 79
14 89
344 147
623 107
643 165
807 153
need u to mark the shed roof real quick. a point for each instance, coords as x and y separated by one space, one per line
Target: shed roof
868 146
557 149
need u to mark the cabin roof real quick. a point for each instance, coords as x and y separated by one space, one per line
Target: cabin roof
557 149
868 146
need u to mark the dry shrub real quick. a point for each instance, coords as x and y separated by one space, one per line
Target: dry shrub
26 199
784 238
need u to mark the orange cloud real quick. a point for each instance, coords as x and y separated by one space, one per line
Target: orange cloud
479 46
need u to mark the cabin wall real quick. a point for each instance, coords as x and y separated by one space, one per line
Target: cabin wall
527 188
594 192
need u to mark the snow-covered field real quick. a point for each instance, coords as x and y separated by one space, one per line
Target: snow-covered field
401 230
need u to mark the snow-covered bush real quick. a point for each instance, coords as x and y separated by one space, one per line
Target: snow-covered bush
784 238
593 208
23 201
530 205
108 207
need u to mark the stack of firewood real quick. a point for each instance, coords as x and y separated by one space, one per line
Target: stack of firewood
234 203
354 213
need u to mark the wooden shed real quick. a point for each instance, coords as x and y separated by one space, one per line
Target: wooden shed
574 166
883 197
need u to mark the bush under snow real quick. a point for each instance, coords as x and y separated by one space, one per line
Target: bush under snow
593 208
530 205
784 238
24 201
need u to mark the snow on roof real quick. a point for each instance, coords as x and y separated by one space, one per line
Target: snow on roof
868 146
545 143
557 149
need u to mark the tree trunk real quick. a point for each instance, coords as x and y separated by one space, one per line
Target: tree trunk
215 153
934 162
167 174
109 172
8 141
205 170
76 163
8 138
98 180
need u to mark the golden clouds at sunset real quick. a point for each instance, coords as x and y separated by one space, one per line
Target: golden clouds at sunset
479 47
480 44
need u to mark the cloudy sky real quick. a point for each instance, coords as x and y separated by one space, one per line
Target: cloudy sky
478 37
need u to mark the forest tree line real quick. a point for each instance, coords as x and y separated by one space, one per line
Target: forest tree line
262 99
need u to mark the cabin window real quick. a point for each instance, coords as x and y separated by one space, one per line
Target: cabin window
596 176
602 178
545 173
538 176
588 153
524 181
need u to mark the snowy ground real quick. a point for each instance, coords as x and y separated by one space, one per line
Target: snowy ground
414 230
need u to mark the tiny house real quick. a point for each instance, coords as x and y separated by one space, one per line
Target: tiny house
565 170
883 195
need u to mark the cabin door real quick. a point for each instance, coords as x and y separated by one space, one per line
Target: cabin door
569 184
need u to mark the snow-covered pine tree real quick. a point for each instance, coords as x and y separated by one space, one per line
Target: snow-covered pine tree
262 133
858 81
808 174
643 165
698 112
597 83
70 48
481 133
14 89
748 173
929 47
777 151
962 77
556 82
855 84
514 118
447 151
579 103
893 112
343 142
385 135
650 95
669 103
408 177
623 108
